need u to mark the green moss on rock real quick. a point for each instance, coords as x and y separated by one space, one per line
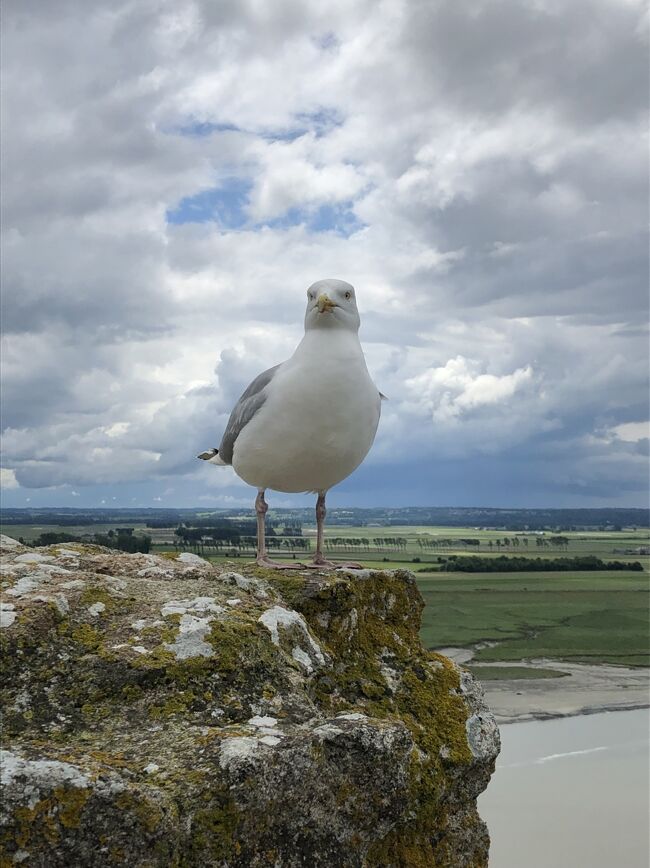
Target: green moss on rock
213 830
371 627
88 637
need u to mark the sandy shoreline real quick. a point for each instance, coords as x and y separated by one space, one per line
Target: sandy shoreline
586 689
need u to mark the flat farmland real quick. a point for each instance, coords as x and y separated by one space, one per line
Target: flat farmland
428 542
588 617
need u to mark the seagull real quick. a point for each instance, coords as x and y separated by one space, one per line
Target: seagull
306 424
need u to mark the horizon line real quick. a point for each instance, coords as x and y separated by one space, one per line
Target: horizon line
334 508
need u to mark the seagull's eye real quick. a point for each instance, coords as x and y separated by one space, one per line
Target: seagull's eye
348 294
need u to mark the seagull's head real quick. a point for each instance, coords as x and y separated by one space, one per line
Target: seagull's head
331 304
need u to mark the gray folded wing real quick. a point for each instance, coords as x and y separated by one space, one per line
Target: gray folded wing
247 406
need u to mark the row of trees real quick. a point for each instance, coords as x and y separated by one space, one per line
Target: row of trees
502 564
125 540
221 538
237 535
290 527
434 543
51 538
350 543
231 533
234 544
122 538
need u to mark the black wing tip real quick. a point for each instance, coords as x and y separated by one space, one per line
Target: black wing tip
206 456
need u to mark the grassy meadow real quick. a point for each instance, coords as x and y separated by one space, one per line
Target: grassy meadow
583 617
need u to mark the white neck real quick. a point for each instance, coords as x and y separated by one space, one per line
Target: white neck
323 343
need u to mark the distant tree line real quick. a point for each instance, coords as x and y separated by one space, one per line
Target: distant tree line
50 538
217 535
502 564
433 543
122 538
61 520
229 539
195 536
208 525
514 542
552 520
290 528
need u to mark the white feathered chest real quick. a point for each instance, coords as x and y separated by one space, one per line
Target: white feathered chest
319 419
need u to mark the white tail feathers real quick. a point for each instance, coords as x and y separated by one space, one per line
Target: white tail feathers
212 455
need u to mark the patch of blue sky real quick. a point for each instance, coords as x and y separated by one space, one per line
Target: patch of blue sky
320 122
338 218
200 129
290 134
225 205
327 41
203 129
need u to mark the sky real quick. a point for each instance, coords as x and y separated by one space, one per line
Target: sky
176 174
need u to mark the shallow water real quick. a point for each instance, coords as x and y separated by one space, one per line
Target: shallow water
571 793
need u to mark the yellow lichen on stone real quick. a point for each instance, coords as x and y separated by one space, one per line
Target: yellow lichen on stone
99 594
70 802
87 636
213 829
146 812
174 705
63 808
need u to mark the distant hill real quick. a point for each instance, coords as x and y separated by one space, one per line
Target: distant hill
479 517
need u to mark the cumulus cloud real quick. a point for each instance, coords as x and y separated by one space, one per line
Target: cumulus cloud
291 175
176 174
632 432
455 389
8 478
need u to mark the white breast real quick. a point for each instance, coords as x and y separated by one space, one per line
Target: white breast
318 422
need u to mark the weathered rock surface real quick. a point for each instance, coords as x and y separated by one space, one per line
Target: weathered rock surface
164 712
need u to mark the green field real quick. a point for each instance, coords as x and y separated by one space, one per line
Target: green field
584 617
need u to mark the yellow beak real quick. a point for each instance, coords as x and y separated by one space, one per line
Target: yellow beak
325 303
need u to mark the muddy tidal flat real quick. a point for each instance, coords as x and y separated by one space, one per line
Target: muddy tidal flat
583 689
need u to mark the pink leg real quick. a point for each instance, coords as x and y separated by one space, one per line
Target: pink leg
319 560
262 558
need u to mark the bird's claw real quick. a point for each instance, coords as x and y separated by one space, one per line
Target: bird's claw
322 564
279 565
